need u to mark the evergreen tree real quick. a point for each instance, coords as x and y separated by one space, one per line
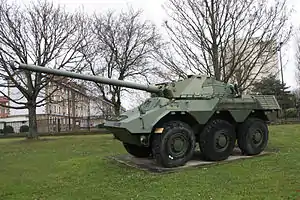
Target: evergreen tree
273 86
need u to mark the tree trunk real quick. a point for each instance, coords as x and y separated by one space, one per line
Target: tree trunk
117 109
32 122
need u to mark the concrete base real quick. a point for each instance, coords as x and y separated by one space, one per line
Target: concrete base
148 164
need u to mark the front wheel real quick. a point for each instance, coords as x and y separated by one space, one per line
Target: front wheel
253 136
175 145
137 151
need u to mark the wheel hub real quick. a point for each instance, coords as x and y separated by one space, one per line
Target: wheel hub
257 137
178 145
221 141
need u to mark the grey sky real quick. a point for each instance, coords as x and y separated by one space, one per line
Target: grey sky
153 11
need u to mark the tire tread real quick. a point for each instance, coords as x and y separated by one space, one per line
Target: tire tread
242 136
205 137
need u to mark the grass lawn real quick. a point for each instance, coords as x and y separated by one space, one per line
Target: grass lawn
74 167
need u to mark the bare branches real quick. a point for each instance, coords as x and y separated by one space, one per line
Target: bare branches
298 58
40 34
224 38
124 46
43 35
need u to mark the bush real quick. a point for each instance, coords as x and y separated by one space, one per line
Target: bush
291 113
8 129
24 129
100 126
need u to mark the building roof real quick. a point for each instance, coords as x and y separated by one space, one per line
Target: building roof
69 83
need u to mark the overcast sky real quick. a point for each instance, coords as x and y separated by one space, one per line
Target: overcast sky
153 11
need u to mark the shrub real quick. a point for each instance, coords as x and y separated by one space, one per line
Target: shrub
100 126
8 129
24 129
291 113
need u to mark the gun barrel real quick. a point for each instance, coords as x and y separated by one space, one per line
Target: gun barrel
97 79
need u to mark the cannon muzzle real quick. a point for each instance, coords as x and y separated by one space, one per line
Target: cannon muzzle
96 79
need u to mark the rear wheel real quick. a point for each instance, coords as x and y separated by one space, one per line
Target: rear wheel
137 151
253 136
175 145
217 140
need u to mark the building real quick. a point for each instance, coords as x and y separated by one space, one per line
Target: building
15 122
66 108
4 111
69 107
258 59
246 61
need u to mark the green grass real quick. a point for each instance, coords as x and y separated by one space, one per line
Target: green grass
74 167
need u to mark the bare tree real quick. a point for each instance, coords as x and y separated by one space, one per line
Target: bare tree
229 39
39 34
298 59
123 48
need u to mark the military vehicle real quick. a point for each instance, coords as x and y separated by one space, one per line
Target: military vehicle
180 114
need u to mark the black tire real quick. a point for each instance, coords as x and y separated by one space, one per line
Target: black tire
163 145
253 135
137 151
217 140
